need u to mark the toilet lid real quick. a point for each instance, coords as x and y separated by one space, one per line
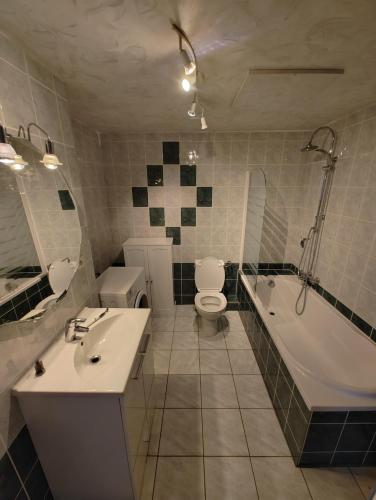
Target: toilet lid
60 274
209 274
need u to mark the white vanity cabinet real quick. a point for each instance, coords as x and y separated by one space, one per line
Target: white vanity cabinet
155 256
91 424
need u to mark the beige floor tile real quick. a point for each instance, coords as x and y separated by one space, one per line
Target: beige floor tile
181 433
277 478
186 311
163 324
185 362
223 433
162 341
159 390
229 478
214 361
264 435
161 362
332 484
218 391
149 476
155 434
366 479
185 341
179 478
237 340
183 391
185 324
252 392
243 362
212 342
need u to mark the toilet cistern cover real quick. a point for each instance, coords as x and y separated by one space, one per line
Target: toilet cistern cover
209 274
60 274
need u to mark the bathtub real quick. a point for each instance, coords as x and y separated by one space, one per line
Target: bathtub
319 369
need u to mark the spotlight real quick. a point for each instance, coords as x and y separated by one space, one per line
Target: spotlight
192 109
189 65
50 160
7 153
186 84
204 125
19 163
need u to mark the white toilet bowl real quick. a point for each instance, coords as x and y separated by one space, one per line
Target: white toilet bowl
209 301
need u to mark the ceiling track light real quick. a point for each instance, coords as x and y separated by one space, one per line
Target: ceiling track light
50 159
192 109
204 125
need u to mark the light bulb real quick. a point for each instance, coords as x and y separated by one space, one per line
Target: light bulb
50 161
19 163
192 110
186 84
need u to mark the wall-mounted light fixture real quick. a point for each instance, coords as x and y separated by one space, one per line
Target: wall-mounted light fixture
7 153
50 159
19 163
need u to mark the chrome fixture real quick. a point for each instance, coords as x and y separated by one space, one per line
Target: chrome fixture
7 153
50 160
39 368
72 327
311 243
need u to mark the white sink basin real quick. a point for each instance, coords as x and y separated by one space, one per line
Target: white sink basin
100 362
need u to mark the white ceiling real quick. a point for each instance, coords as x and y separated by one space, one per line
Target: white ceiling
120 59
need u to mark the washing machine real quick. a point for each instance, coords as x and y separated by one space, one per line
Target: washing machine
122 287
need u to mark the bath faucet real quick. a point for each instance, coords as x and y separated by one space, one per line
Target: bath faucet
72 327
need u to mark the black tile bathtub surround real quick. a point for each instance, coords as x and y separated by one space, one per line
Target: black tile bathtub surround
171 154
25 301
287 268
20 471
155 175
187 175
318 438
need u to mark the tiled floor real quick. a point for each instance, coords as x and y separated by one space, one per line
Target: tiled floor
215 435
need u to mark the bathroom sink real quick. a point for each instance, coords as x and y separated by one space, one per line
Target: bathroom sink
100 349
100 362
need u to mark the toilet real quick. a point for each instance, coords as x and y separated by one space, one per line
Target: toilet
60 274
209 301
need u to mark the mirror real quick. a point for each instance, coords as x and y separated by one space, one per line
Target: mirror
40 236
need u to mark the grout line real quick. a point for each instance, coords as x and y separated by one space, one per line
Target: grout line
339 438
357 483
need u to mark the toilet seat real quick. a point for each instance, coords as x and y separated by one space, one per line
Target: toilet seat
210 301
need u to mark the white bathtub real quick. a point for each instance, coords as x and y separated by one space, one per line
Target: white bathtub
331 361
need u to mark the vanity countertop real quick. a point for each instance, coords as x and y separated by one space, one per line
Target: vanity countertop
69 369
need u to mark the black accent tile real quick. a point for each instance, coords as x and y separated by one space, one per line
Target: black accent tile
356 437
155 175
36 484
204 196
9 482
178 300
348 459
284 392
140 196
177 287
187 175
22 309
173 232
303 407
188 216
171 155
370 459
34 299
22 496
297 422
18 299
23 453
188 287
322 437
157 216
187 299
328 417
177 270
343 309
361 324
361 416
232 306
315 459
8 317
329 298
66 201
294 447
188 270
